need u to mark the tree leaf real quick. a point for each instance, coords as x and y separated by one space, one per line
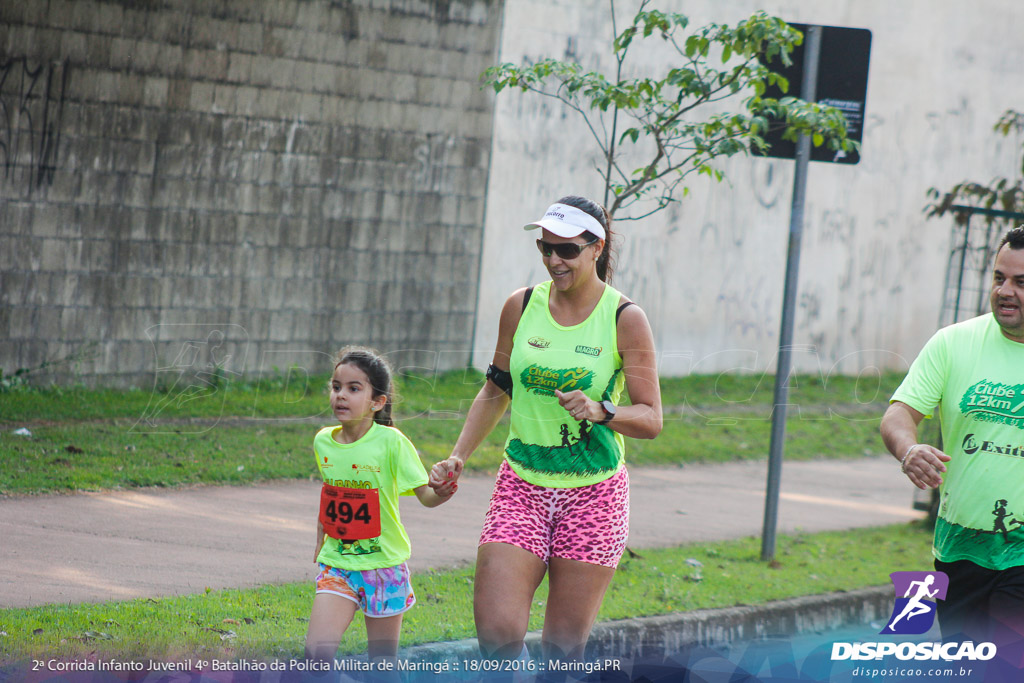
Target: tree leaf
631 133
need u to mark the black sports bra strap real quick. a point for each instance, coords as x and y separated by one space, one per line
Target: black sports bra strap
526 297
620 309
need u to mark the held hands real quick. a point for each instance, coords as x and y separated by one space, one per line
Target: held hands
579 406
444 477
923 465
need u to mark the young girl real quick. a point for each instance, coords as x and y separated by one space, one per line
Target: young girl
361 546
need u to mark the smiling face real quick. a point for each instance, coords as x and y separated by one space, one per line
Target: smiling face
1008 292
568 274
352 399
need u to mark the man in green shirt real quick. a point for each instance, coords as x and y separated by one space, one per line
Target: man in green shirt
974 373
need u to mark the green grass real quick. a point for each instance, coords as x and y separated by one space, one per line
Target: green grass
292 395
270 622
297 395
738 393
242 432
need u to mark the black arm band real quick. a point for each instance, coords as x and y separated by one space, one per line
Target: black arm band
501 378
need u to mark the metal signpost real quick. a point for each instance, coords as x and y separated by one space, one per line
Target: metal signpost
842 82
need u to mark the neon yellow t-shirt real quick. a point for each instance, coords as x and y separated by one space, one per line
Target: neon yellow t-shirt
385 460
976 377
545 446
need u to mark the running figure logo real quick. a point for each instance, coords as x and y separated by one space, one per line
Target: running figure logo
914 612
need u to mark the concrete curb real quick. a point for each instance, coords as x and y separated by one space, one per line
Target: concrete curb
661 635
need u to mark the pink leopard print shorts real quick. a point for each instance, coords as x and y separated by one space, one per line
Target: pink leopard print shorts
588 524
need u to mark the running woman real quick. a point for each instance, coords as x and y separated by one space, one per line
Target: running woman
566 350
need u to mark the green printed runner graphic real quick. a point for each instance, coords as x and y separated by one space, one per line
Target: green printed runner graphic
544 381
365 547
1001 544
989 401
592 453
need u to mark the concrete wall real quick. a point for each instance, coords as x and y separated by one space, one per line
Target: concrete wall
709 271
187 184
249 185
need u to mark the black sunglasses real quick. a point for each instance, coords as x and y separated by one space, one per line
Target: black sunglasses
566 251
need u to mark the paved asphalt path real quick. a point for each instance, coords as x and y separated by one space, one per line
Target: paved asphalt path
92 547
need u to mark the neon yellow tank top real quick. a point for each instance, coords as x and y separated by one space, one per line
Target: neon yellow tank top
545 446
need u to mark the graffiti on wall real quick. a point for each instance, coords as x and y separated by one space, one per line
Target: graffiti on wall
31 109
430 171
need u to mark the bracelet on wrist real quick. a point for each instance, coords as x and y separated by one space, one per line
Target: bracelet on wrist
903 460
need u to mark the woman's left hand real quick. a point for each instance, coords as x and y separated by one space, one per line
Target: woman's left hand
580 406
444 475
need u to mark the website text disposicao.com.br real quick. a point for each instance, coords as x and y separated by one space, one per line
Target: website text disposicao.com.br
902 671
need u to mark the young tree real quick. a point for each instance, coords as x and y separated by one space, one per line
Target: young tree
658 114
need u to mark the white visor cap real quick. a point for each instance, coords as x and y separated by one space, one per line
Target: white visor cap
567 221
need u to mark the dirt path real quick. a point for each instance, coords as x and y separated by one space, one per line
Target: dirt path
92 547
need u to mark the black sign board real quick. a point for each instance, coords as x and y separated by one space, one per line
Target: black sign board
842 83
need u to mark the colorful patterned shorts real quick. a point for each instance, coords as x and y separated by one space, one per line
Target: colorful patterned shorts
587 524
378 592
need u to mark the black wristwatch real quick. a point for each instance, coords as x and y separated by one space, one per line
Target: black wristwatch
609 412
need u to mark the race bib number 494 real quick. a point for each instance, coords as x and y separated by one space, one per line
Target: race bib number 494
350 514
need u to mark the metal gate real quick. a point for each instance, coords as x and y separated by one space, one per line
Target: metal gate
972 247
